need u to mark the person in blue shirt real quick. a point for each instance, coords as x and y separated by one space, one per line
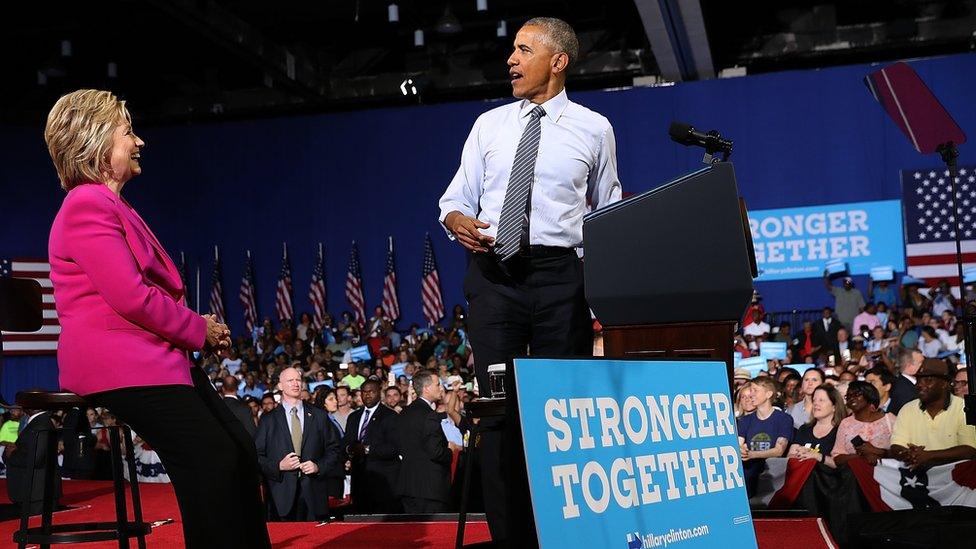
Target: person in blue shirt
882 292
765 433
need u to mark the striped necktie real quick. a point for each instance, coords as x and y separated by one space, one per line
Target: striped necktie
365 427
514 221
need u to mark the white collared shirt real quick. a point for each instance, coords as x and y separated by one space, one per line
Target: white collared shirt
363 418
575 170
301 414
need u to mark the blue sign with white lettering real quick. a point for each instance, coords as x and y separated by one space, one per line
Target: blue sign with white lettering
800 242
632 454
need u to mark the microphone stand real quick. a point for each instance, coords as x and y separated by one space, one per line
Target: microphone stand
950 154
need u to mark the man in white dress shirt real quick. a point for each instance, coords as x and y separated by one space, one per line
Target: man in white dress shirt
529 172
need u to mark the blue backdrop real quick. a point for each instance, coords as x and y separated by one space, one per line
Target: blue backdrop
801 138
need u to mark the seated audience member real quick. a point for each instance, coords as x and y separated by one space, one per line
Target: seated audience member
800 411
808 343
932 430
929 342
757 327
903 389
745 401
960 384
815 439
784 334
764 433
789 389
865 433
740 377
882 379
868 317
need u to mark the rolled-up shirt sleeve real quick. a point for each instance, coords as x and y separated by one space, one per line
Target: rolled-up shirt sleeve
603 183
465 189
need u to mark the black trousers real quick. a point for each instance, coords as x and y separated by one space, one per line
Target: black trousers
422 506
527 305
208 456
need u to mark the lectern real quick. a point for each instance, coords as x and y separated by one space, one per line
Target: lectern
669 272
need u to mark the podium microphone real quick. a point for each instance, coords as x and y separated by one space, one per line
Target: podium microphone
712 142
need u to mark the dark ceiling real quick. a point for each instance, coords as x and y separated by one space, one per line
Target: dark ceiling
197 60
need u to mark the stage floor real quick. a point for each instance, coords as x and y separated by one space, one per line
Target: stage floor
93 501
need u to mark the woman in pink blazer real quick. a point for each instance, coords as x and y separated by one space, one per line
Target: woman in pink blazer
126 330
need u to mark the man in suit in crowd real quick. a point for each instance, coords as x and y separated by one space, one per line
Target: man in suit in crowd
424 484
237 406
27 460
903 390
370 444
295 447
825 330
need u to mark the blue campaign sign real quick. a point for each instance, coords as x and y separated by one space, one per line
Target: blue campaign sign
801 242
773 350
632 454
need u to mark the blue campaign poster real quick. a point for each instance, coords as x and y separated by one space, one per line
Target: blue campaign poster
632 454
803 242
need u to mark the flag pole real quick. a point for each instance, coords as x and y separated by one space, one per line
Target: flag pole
198 289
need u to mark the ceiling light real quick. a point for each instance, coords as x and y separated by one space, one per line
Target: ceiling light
418 38
393 13
448 23
482 5
66 48
502 30
113 70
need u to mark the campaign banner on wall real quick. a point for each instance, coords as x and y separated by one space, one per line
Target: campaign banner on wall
632 454
799 242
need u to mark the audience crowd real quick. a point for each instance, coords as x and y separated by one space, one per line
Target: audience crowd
875 376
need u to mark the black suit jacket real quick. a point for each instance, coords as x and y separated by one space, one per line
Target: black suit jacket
903 391
28 460
242 412
273 442
425 469
826 337
374 476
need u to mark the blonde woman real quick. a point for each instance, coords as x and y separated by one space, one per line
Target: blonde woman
126 329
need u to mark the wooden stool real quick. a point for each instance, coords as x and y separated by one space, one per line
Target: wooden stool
81 532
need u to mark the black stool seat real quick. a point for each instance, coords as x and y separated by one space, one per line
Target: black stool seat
48 533
44 400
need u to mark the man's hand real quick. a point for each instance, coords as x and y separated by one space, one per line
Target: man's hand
308 467
289 462
356 450
465 229
454 447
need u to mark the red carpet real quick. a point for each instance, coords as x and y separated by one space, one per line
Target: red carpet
95 503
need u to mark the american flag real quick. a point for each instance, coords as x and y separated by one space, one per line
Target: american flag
391 305
283 293
186 285
930 223
430 286
216 291
354 286
247 297
45 340
316 290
